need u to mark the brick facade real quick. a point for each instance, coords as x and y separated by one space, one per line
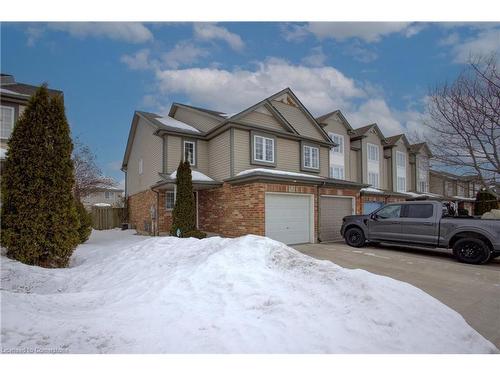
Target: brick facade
229 210
139 211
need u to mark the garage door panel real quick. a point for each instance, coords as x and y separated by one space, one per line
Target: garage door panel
332 211
288 218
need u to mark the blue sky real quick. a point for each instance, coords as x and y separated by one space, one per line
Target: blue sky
373 72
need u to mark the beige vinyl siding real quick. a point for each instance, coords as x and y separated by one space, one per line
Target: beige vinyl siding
298 120
100 197
324 161
334 125
202 156
242 151
288 158
436 185
262 119
148 147
200 121
219 167
354 166
174 152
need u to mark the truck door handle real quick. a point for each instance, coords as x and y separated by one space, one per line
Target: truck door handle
427 223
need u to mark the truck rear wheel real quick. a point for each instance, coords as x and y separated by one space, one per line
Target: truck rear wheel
471 250
355 237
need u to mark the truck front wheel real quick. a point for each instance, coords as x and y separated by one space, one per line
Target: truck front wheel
471 250
355 237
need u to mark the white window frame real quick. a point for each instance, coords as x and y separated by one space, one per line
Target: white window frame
13 112
337 155
373 166
401 171
264 149
109 194
141 166
306 149
340 169
166 200
422 174
186 142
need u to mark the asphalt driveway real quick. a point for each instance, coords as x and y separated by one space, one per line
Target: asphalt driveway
472 291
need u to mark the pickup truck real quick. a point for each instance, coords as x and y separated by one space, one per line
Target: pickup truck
425 224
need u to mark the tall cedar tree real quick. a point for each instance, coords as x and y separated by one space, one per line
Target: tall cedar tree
485 202
39 217
184 213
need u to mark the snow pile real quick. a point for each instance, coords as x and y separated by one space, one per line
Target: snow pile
173 123
196 176
102 204
275 171
134 294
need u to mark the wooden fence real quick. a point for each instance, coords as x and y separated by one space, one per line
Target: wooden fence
107 217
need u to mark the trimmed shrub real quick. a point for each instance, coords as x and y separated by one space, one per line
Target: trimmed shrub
85 219
485 202
39 220
196 234
184 213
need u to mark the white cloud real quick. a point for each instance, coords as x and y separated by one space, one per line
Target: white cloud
320 88
340 31
359 53
484 43
210 31
184 53
132 32
138 61
316 57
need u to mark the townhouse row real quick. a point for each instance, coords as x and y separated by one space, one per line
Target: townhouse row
272 169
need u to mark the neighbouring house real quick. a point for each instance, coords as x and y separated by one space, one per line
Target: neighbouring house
14 97
105 195
459 189
271 169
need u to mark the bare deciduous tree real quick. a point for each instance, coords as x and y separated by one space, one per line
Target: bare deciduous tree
88 176
464 121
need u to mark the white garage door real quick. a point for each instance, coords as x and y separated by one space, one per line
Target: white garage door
288 218
332 210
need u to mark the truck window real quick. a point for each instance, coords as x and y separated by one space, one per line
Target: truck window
389 212
419 211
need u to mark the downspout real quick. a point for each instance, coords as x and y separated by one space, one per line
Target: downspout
318 211
157 216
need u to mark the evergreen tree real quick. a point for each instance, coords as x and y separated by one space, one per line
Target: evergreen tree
184 213
85 219
39 218
485 202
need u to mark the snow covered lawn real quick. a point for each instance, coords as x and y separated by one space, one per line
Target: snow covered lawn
131 294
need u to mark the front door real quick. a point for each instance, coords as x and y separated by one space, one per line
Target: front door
385 223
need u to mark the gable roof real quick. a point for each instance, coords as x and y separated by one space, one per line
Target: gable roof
391 141
361 132
417 147
268 102
337 112
169 123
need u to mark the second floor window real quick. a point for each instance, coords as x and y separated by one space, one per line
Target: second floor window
190 152
339 140
373 179
400 171
401 184
6 121
423 172
263 149
109 194
372 153
311 157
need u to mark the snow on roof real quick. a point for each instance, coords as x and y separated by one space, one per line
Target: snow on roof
458 197
277 172
372 190
196 176
228 115
174 123
3 153
102 204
